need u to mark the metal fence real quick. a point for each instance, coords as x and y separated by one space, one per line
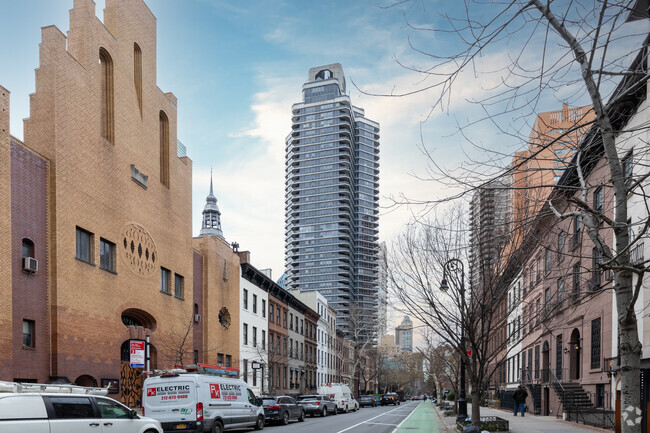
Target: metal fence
507 400
594 417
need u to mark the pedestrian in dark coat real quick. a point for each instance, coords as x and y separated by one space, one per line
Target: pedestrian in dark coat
520 399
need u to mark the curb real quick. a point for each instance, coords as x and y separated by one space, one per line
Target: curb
450 428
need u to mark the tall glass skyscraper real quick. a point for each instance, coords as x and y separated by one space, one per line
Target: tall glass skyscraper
332 201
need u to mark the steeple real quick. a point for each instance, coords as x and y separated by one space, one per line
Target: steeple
211 215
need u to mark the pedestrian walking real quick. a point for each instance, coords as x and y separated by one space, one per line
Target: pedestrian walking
520 399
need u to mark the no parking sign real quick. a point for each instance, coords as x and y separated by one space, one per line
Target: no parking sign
137 353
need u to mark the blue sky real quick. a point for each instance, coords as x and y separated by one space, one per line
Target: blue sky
238 66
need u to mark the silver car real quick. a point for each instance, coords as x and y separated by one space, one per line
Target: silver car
318 404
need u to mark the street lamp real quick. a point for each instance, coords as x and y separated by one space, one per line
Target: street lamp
455 266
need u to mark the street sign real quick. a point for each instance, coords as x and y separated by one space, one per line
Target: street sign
256 365
469 352
137 353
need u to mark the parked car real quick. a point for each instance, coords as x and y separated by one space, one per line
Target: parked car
341 394
200 402
367 400
282 409
34 412
390 398
317 404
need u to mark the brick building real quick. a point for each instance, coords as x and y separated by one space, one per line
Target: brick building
99 196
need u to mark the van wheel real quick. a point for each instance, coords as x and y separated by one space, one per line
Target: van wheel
324 412
346 409
259 425
302 416
285 418
336 410
217 427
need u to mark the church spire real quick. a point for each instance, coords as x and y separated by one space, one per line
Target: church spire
211 215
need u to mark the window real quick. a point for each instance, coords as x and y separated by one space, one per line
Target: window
228 360
560 247
220 359
254 372
285 319
28 333
112 409
245 334
270 341
547 302
576 282
596 269
84 245
72 407
106 255
255 304
301 327
547 260
264 309
107 107
560 293
558 357
164 149
165 275
291 321
598 199
137 74
539 268
28 248
245 370
245 300
291 348
271 310
278 316
628 163
178 286
600 395
577 225
536 362
254 336
263 339
595 343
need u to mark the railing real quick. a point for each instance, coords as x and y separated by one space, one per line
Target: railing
594 417
637 254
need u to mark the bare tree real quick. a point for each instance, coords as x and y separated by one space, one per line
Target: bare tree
177 346
578 51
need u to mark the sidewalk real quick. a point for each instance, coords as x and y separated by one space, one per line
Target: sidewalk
527 424
422 420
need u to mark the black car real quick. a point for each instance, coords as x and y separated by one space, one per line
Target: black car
317 404
390 398
367 400
282 409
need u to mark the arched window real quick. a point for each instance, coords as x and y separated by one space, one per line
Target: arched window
137 74
28 248
164 149
107 102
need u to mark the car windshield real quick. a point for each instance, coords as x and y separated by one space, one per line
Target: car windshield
309 397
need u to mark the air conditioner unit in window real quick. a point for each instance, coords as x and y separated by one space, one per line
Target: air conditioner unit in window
30 264
197 318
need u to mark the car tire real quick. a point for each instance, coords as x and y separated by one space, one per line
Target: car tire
324 411
217 427
285 418
259 424
336 410
302 416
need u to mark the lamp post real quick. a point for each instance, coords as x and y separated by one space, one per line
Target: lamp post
455 266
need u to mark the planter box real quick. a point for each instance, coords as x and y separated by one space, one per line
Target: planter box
489 423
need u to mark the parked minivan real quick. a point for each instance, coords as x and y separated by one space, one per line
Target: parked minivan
340 393
78 410
191 402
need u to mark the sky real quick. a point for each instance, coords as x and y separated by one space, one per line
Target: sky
237 67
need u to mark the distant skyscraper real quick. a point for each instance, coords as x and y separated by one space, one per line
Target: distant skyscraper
332 193
404 335
382 295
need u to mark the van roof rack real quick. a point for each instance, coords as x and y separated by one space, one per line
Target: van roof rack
212 370
18 387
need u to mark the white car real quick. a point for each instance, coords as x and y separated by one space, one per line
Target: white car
69 413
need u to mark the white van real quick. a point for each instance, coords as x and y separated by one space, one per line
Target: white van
192 402
42 408
340 393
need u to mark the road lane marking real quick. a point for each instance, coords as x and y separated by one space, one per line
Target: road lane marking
370 419
381 423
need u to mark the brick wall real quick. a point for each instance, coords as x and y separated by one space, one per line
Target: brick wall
6 354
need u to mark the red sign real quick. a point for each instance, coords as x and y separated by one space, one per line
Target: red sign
469 352
215 392
151 392
137 353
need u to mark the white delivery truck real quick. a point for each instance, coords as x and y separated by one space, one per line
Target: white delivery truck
193 402
340 393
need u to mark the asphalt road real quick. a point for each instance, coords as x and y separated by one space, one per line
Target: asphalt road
380 419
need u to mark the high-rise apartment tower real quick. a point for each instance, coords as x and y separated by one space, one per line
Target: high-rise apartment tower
332 193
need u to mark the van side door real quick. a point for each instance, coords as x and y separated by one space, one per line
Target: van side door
72 414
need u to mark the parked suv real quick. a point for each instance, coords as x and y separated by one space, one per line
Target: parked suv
55 412
390 398
282 409
317 405
367 400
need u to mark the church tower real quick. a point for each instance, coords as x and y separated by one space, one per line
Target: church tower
211 216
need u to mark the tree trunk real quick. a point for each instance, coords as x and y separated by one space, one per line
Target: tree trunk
476 408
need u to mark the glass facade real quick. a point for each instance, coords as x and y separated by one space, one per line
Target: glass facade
332 195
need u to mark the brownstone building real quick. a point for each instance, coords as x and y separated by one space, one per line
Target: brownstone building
98 195
278 352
